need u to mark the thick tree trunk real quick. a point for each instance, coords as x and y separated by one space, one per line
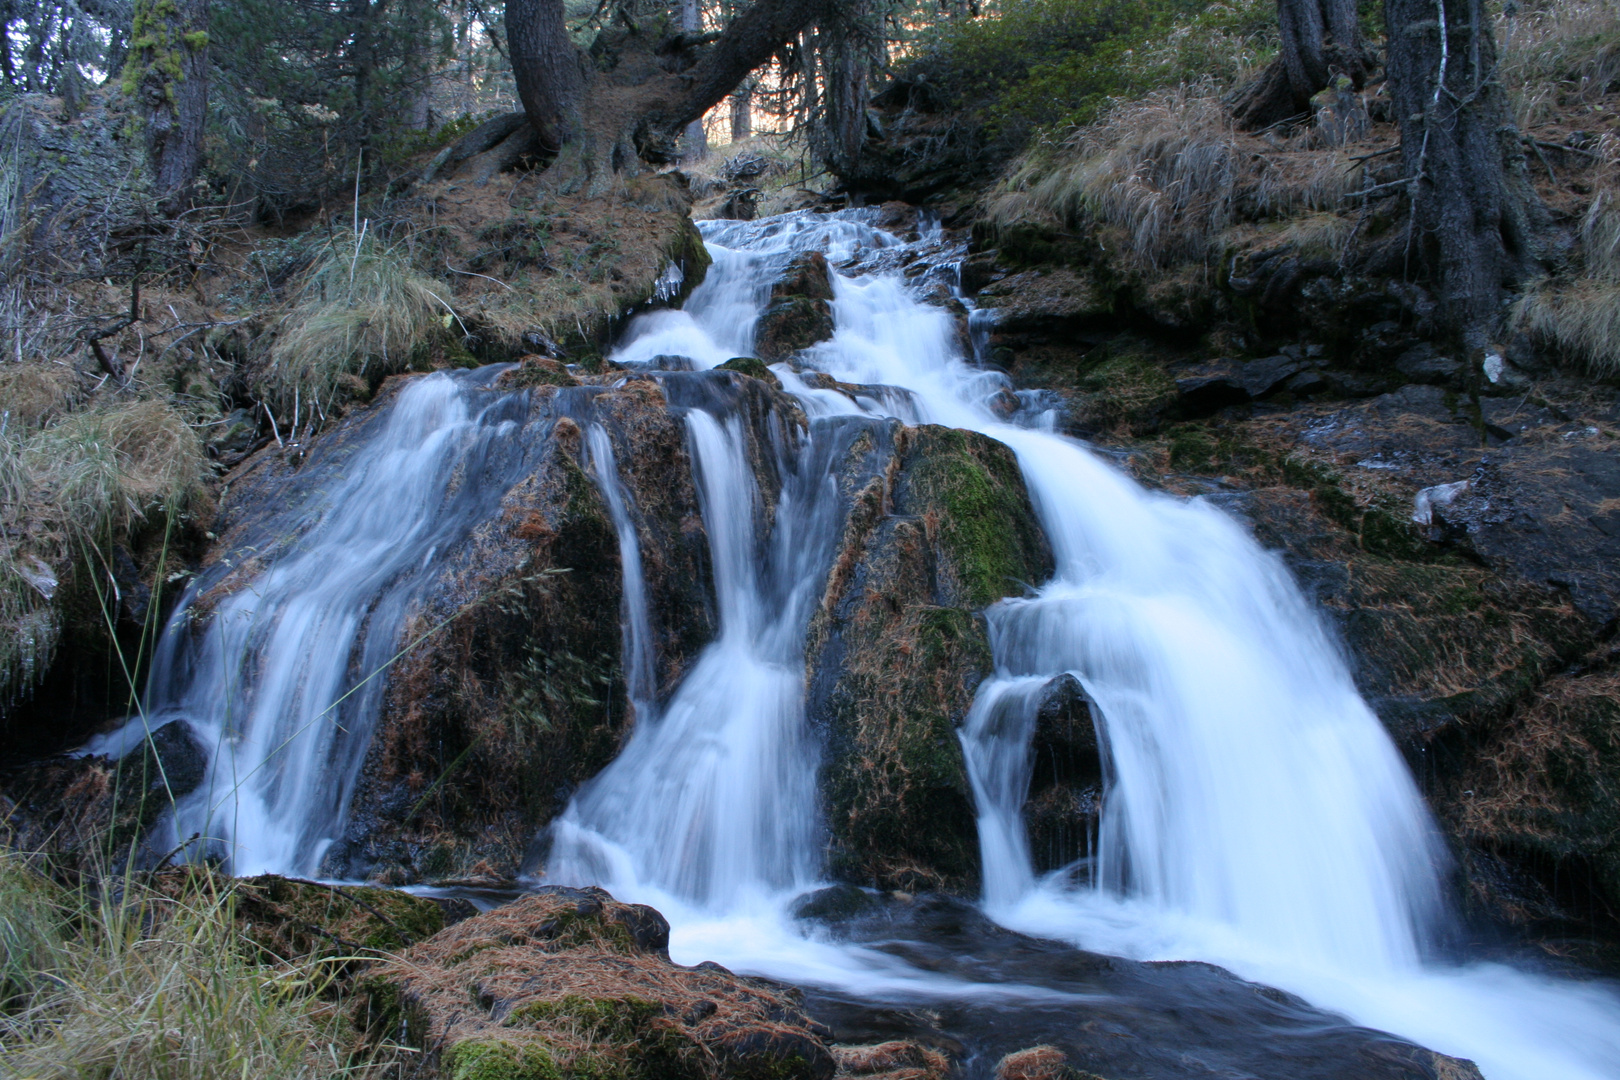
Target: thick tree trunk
748 43
1475 218
167 75
697 139
1320 40
547 68
742 112
848 67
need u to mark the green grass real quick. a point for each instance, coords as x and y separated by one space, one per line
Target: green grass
118 978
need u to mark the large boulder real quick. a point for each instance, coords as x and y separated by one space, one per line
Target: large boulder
800 311
940 527
571 983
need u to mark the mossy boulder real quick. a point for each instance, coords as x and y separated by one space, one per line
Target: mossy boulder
940 526
1539 791
753 367
570 983
290 919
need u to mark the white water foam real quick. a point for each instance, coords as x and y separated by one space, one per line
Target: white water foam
1257 816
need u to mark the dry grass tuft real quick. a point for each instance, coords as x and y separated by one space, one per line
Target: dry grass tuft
1580 318
82 482
1172 172
361 307
115 979
34 393
1557 54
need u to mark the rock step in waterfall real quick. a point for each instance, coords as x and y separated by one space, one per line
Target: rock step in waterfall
1255 813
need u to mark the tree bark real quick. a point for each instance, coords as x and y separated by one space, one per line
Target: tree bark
697 139
847 56
1319 41
547 68
167 75
748 43
1475 220
742 112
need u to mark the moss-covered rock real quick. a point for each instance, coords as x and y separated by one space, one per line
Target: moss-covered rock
570 983
753 367
290 919
939 527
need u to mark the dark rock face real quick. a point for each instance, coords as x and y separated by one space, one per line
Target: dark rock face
800 313
1478 634
940 527
1065 789
570 982
1132 1019
78 807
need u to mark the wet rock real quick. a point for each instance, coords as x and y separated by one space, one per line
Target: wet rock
559 984
1108 1016
939 527
172 762
1420 364
1045 304
1261 378
1065 790
800 312
1546 512
753 367
835 903
78 807
1207 388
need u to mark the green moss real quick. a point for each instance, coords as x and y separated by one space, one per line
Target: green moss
753 367
1128 389
973 489
611 1018
498 1059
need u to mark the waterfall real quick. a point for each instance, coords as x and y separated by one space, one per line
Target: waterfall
279 682
1257 814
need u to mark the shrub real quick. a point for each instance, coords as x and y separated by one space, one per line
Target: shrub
1050 64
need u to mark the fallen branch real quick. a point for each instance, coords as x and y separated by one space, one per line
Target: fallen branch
94 338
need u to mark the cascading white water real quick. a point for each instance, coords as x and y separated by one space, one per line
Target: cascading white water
1257 815
278 685
714 796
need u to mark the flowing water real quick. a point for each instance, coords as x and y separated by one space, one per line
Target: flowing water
280 683
1256 813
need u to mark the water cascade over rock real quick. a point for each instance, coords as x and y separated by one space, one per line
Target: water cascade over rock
831 608
1256 812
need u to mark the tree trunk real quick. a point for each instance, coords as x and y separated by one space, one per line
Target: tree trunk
1475 218
848 65
697 139
547 68
742 112
167 74
1320 41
